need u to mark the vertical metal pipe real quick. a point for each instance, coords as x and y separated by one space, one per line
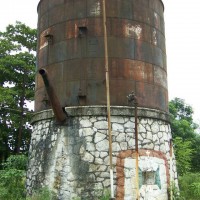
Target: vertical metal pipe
132 98
136 151
171 164
108 96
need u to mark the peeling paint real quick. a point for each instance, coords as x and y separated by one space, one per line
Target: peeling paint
134 30
44 45
96 9
154 37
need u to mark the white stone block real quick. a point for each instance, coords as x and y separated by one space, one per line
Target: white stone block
131 144
155 138
160 135
123 145
90 147
98 161
117 127
105 175
103 154
165 136
80 132
130 125
141 129
106 183
96 154
129 130
82 150
99 137
149 136
116 147
144 121
162 128
95 129
157 147
121 137
150 121
140 137
148 127
85 123
155 127
102 146
87 132
163 148
88 139
88 157
93 119
101 125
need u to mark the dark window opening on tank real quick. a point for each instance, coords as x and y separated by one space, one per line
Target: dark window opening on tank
82 31
149 178
49 38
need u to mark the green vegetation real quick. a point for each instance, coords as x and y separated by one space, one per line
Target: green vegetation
17 71
12 178
187 150
42 194
190 186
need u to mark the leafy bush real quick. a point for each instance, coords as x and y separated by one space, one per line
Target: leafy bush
42 194
190 186
106 195
12 178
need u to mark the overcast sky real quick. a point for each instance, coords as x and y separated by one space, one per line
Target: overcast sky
182 26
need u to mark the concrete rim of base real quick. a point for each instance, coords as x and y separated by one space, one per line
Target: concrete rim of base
78 111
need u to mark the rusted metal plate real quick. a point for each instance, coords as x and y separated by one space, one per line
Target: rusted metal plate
43 7
157 56
56 15
42 57
143 3
119 89
157 6
80 8
53 3
142 14
157 39
131 70
160 77
74 60
156 20
151 95
43 23
143 51
94 8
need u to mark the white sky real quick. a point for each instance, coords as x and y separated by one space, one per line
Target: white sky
182 26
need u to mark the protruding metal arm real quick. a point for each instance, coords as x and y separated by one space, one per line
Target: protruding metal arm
57 109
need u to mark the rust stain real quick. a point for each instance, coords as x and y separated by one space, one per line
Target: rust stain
136 52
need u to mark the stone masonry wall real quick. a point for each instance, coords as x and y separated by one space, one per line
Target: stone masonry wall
73 159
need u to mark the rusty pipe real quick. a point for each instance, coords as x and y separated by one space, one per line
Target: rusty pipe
133 98
108 98
57 109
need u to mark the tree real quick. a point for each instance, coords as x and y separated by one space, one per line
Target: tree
17 66
183 152
186 140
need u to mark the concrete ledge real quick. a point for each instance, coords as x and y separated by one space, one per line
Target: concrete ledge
78 111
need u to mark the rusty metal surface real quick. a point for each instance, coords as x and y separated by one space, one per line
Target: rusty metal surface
52 98
75 64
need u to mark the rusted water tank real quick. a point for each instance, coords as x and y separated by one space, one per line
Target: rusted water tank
71 49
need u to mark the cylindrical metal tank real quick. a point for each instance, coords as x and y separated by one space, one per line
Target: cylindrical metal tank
71 49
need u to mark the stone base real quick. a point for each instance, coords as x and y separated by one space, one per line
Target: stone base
73 159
